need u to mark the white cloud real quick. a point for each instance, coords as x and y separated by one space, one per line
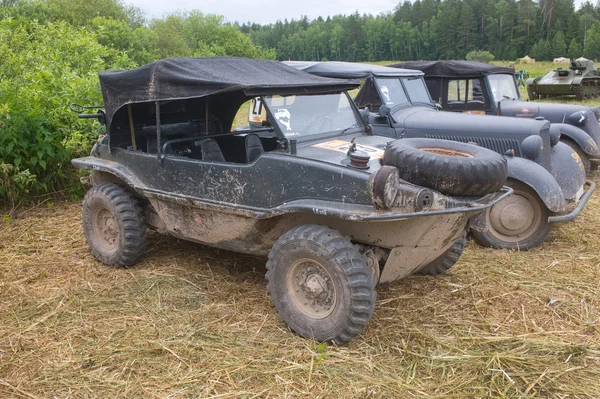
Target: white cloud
265 11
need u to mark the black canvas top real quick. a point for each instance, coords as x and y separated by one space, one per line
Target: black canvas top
450 69
183 78
349 70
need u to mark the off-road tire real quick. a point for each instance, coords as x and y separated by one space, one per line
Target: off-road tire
585 160
450 167
347 276
539 228
446 260
122 241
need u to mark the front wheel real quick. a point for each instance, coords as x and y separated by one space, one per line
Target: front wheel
320 284
518 222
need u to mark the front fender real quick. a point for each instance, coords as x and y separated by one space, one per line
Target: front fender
540 180
579 137
568 171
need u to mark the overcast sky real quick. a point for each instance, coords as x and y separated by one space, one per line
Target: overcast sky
268 11
264 11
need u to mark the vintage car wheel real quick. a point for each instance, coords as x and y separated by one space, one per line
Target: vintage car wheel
446 260
519 222
450 167
585 160
113 225
320 284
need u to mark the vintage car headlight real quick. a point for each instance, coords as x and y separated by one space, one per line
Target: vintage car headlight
532 147
554 135
386 184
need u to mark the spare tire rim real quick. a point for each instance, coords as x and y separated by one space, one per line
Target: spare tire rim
515 218
311 288
448 152
106 228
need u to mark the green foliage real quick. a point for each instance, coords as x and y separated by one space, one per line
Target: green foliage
479 55
44 68
591 49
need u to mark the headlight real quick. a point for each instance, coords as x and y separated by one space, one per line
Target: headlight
532 147
386 184
554 135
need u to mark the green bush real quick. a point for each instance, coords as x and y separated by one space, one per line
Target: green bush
44 68
481 56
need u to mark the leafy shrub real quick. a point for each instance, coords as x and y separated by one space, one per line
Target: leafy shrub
44 68
481 56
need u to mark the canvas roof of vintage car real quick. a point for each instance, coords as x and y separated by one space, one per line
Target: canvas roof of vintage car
184 78
350 70
452 69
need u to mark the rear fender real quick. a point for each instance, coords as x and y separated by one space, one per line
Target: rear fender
105 166
579 137
540 180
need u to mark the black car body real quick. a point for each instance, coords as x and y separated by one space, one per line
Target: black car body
492 90
171 159
397 104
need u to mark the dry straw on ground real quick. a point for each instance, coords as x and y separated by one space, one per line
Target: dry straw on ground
191 321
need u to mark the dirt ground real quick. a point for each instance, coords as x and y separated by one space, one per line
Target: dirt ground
195 322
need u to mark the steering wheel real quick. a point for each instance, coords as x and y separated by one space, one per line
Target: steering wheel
322 120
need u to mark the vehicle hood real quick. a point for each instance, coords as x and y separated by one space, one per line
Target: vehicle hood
555 113
334 150
429 121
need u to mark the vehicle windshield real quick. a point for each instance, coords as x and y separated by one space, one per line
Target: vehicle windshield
416 89
392 91
394 94
503 86
307 115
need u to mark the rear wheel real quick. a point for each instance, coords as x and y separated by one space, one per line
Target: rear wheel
320 284
445 261
113 225
520 221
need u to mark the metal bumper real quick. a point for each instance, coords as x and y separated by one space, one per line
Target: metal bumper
573 214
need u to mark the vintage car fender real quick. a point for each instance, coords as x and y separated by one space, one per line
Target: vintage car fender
568 170
579 137
540 180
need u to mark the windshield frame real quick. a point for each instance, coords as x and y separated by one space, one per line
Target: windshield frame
493 98
360 122
410 101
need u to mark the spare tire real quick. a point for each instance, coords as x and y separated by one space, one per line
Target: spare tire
450 167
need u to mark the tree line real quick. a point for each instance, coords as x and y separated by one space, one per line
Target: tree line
436 29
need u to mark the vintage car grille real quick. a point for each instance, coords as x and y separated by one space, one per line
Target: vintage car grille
498 145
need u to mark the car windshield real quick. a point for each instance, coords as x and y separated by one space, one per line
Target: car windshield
503 86
392 91
394 94
308 115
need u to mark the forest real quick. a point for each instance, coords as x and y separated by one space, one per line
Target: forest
435 29
52 51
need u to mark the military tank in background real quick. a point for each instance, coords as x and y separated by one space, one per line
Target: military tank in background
581 80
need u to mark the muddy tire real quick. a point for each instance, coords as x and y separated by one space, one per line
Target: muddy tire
518 222
585 160
320 284
113 225
450 167
445 261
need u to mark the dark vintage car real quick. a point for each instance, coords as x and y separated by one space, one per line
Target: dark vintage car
480 88
547 176
315 191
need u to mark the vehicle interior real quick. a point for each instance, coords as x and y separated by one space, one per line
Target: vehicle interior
197 128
